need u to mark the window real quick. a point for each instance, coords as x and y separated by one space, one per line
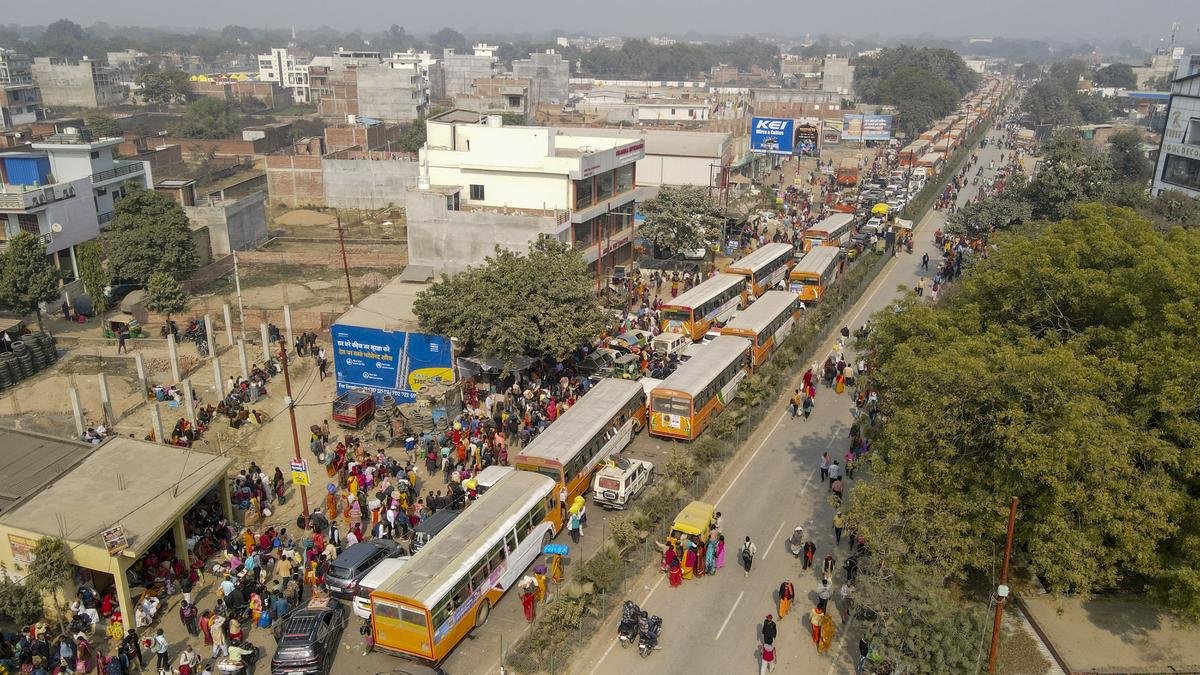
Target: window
584 195
604 186
477 192
624 178
28 222
1183 172
1193 133
462 591
95 154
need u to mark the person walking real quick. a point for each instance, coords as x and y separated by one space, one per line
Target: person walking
828 566
749 550
824 593
810 550
767 663
122 335
769 630
845 594
807 405
814 622
574 525
160 648
834 471
839 524
787 592
924 261
797 399
920 287
824 466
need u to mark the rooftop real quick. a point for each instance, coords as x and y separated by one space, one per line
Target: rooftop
661 141
29 461
139 485
389 308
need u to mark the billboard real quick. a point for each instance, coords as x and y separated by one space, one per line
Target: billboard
831 132
808 137
389 362
866 127
772 135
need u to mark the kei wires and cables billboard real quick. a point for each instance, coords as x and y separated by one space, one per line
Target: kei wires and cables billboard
772 135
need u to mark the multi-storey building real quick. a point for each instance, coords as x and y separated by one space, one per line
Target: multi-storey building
285 69
85 83
20 96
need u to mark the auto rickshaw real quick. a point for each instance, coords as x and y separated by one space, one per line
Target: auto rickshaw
693 522
628 367
123 323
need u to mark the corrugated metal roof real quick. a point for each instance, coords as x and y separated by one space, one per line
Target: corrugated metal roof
30 462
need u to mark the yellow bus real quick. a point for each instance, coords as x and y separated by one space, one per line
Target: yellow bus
815 272
699 389
600 423
834 230
711 301
765 268
449 586
766 323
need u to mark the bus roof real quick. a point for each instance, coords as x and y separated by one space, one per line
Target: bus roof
706 290
764 310
438 564
760 257
833 222
582 421
817 260
694 374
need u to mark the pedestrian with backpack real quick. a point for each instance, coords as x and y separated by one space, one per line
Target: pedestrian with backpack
749 550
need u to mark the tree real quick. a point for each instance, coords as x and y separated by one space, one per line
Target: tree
1119 75
1172 208
66 39
211 118
164 295
149 233
1125 155
93 274
412 135
680 218
542 303
50 571
27 278
1071 173
1093 108
1049 101
164 87
996 212
18 600
448 38
1160 83
102 125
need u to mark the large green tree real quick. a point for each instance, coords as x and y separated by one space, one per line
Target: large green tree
680 218
149 233
164 87
27 278
923 83
1070 173
164 295
1062 372
94 274
542 303
211 118
1125 155
1118 75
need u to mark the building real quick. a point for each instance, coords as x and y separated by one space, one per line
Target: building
455 73
672 156
127 59
1178 166
284 69
837 75
501 96
658 110
110 503
1162 64
84 84
484 185
549 72
391 91
20 96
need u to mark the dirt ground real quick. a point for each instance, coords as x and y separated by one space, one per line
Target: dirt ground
378 224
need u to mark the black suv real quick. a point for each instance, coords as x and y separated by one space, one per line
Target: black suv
308 639
354 563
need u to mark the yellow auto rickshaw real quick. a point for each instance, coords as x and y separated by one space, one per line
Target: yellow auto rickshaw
694 522
628 367
123 323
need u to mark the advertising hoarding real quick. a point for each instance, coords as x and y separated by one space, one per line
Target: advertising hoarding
877 128
772 135
389 362
808 137
852 127
831 132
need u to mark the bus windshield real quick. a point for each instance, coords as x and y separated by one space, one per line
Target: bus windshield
675 314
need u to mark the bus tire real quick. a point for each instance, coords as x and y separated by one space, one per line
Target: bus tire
481 615
547 538
637 426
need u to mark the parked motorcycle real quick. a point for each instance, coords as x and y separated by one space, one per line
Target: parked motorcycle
242 666
627 629
649 628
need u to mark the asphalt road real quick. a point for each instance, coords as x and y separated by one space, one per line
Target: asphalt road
772 487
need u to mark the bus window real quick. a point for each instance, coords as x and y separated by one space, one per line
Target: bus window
510 540
461 592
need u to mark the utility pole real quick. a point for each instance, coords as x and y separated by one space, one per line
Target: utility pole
1002 589
291 406
345 265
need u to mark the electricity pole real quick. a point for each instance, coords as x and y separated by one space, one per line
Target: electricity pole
345 265
1002 589
291 406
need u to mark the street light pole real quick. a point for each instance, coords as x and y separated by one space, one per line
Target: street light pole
1002 589
291 406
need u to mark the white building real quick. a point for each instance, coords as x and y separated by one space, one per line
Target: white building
672 156
1178 166
283 68
671 111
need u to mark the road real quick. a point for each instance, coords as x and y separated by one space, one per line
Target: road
715 620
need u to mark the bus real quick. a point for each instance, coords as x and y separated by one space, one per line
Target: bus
764 268
600 423
709 302
834 230
766 323
425 608
699 389
815 272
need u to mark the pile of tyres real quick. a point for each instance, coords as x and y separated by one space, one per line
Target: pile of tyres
34 352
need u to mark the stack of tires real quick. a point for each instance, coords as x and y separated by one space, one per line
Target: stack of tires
36 352
381 430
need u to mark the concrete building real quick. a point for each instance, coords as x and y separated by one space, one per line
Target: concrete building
830 74
1178 166
549 72
455 73
657 110
501 96
484 184
20 96
231 224
128 59
837 75
286 70
85 84
672 157
391 91
1161 64
64 192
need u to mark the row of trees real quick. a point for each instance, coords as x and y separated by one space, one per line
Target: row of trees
1056 99
924 84
641 59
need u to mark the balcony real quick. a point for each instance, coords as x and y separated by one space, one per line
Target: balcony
104 217
117 172
27 198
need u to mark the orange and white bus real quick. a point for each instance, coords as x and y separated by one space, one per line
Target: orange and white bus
815 272
834 230
711 301
699 389
764 268
766 323
600 424
449 586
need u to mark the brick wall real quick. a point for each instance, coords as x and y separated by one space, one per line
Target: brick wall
295 180
221 147
356 256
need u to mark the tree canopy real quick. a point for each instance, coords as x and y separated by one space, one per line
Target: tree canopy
1061 371
164 87
102 125
26 276
1056 99
923 83
149 233
1118 75
540 303
680 218
1125 155
211 118
682 60
164 295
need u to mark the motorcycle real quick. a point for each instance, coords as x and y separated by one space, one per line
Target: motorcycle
649 628
627 629
243 666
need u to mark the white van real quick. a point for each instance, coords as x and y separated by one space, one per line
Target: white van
378 574
670 343
493 474
614 485
920 173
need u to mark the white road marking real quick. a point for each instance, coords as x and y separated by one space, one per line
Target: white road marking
731 611
645 600
655 588
603 656
751 460
772 541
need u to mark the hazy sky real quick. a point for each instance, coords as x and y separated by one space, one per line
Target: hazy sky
1138 21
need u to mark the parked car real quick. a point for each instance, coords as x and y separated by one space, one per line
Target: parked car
355 562
308 638
378 575
429 527
614 485
670 343
599 362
